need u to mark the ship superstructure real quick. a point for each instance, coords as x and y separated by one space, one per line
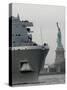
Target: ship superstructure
21 33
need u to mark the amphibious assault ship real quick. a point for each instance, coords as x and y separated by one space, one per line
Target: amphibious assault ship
27 58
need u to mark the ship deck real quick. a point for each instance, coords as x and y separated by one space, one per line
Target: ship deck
28 47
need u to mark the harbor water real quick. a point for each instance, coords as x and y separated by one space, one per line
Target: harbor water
52 79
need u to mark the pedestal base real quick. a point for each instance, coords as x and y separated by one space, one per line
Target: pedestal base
60 60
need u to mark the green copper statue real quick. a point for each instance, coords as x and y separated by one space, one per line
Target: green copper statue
59 43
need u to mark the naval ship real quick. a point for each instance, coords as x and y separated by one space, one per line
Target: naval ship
26 58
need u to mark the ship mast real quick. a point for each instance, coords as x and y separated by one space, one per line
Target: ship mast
40 32
41 36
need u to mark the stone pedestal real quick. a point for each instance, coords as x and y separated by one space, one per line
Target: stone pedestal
60 60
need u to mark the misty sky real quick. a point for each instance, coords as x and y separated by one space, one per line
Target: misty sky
44 19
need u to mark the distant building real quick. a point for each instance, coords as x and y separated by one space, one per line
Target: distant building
52 68
46 68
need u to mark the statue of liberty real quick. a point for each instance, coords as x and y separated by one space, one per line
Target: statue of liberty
59 43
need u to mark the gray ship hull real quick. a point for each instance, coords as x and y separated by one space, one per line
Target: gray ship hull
32 55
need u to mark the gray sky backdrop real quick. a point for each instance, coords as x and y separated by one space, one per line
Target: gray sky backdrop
44 19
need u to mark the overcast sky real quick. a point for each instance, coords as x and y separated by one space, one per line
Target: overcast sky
44 19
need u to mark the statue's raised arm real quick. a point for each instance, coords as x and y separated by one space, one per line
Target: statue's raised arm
58 26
